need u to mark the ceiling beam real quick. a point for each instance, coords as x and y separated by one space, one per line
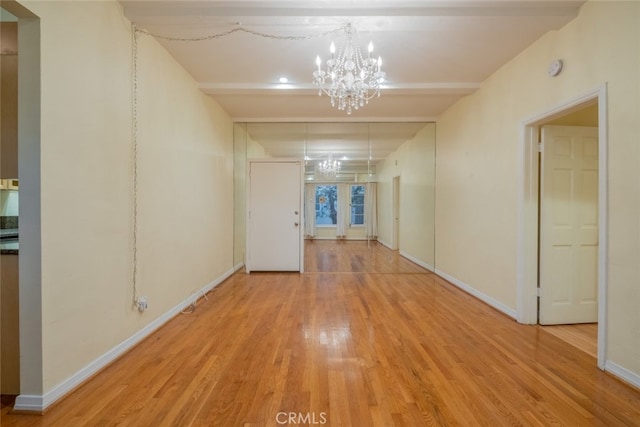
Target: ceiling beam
135 10
456 88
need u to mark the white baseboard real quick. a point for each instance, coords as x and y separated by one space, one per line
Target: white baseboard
238 266
383 243
29 403
39 403
622 373
482 297
346 239
417 261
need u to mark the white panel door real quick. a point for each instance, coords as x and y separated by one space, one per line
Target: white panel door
274 220
569 225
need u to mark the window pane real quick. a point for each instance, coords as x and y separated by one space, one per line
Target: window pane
357 205
326 204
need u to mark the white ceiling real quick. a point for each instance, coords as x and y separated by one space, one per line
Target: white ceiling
434 52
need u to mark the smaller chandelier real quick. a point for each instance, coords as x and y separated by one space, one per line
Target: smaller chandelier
350 80
329 167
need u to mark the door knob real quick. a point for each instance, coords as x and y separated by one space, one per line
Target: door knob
296 212
296 224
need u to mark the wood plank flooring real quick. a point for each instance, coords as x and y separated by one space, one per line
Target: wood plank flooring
582 336
363 338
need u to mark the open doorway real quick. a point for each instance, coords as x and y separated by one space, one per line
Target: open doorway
29 246
563 223
9 208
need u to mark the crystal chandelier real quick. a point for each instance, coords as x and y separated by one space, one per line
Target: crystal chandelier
349 80
329 167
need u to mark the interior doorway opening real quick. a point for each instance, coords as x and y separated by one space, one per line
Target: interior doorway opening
31 378
587 110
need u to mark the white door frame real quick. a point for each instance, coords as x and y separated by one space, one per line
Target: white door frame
395 212
248 207
527 260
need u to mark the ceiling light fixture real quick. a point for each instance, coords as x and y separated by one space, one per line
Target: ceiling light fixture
349 80
329 167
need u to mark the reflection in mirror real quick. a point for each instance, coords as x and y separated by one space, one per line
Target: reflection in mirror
354 198
239 193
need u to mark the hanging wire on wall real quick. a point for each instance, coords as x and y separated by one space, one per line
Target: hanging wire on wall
134 148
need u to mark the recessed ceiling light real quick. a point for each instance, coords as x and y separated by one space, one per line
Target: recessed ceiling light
284 80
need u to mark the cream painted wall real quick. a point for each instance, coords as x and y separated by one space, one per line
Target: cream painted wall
414 162
477 171
185 184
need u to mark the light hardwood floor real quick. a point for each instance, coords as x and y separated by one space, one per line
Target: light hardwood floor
583 336
363 338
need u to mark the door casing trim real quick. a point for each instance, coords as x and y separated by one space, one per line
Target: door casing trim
527 247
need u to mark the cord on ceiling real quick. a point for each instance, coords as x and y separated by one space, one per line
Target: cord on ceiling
241 30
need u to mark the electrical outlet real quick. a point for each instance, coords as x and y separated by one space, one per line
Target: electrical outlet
142 303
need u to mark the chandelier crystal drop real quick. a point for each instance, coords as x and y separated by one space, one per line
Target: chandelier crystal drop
349 80
329 167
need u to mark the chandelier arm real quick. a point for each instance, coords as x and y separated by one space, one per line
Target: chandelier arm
325 91
374 94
